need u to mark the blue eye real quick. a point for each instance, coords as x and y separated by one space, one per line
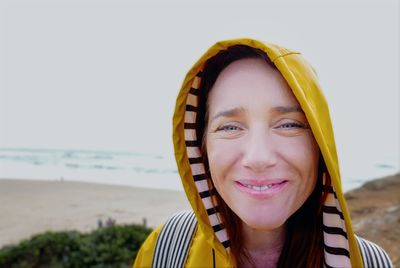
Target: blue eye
291 125
228 128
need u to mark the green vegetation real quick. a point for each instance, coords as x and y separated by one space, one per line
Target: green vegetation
113 246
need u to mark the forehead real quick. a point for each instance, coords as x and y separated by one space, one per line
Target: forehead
250 83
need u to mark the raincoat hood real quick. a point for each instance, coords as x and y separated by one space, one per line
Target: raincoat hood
302 79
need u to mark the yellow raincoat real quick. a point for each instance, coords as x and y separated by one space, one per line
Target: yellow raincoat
207 247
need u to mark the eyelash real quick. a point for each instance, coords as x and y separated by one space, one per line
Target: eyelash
291 125
225 128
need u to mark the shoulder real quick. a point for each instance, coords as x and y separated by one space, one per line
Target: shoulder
174 240
163 244
145 254
372 254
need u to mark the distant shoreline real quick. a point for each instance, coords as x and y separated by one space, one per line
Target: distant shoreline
92 182
149 170
173 184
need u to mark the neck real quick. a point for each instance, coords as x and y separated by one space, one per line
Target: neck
263 247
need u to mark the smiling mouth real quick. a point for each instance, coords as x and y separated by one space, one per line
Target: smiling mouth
259 188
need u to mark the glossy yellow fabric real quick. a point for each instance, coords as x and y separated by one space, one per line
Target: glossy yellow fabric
303 81
200 254
145 255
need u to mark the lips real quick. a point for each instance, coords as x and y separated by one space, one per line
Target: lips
261 188
261 183
258 188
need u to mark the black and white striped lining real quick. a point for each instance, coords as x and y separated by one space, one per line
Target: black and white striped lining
175 238
200 176
336 244
373 255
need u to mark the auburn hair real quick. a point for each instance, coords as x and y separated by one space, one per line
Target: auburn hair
303 245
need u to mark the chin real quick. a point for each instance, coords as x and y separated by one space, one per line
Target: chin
263 223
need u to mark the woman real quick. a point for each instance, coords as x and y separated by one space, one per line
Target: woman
256 153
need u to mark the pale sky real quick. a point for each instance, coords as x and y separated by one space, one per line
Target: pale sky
104 75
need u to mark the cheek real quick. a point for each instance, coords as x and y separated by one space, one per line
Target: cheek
303 154
222 155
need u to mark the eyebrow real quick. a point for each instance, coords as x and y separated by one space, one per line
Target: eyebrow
278 109
229 113
288 109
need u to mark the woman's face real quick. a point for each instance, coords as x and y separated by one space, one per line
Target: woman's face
262 155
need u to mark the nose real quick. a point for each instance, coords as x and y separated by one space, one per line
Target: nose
259 152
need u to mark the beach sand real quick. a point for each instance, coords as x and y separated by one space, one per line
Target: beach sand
30 207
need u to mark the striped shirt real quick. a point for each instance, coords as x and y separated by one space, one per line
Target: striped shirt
373 255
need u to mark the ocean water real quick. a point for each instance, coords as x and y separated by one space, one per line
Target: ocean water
106 167
128 168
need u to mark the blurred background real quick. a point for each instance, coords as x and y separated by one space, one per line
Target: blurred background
88 88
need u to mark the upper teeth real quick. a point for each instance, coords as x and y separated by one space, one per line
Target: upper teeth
258 188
